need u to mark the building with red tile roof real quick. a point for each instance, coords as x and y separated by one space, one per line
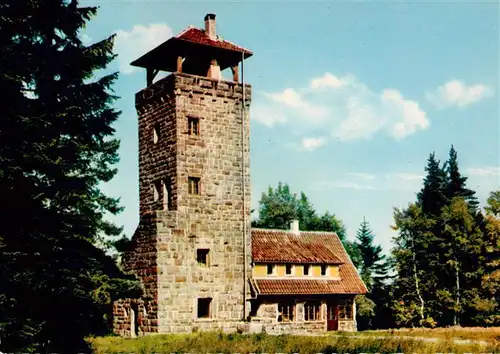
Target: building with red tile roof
304 280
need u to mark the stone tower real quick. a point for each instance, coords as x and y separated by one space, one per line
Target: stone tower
191 250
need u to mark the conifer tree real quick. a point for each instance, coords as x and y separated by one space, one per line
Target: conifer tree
373 270
432 197
456 182
56 148
374 266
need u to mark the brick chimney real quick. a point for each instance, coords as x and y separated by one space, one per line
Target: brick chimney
294 227
210 26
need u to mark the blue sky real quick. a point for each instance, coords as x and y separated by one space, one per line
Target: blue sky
349 99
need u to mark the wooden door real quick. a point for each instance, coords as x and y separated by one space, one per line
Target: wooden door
332 318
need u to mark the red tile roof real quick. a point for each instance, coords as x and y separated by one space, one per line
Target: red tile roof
195 35
279 246
307 286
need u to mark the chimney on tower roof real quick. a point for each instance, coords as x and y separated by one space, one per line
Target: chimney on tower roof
210 26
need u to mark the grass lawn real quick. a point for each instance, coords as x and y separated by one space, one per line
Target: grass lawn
377 342
485 334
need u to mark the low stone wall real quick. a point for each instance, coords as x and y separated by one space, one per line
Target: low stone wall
347 326
295 327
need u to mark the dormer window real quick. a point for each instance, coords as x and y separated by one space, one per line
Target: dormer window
270 269
307 269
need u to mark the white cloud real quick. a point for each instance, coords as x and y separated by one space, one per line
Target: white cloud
456 93
485 171
345 107
267 115
292 99
85 38
329 80
312 143
130 45
363 176
411 117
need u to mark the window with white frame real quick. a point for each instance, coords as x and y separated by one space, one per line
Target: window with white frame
312 311
286 312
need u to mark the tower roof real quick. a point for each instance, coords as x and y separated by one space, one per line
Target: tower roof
195 46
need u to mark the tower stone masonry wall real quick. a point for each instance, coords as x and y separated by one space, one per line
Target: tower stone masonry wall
173 227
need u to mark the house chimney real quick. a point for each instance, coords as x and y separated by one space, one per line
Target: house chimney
294 226
210 26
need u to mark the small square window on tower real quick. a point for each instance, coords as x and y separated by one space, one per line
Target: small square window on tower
288 269
205 307
202 256
193 185
193 126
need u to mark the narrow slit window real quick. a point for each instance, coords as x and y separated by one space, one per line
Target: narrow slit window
202 256
323 269
288 269
156 194
156 133
166 196
194 185
193 126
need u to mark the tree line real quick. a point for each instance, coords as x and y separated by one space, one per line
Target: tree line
444 268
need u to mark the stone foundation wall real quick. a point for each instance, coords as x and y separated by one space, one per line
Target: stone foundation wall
348 326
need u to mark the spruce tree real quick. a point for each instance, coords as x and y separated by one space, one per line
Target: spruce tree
433 196
456 182
56 149
374 267
373 270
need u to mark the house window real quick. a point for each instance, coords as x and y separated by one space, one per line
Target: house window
306 269
345 310
270 269
202 256
205 307
288 269
286 312
193 126
312 311
323 269
194 185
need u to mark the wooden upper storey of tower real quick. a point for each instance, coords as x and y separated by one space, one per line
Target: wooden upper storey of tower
194 51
